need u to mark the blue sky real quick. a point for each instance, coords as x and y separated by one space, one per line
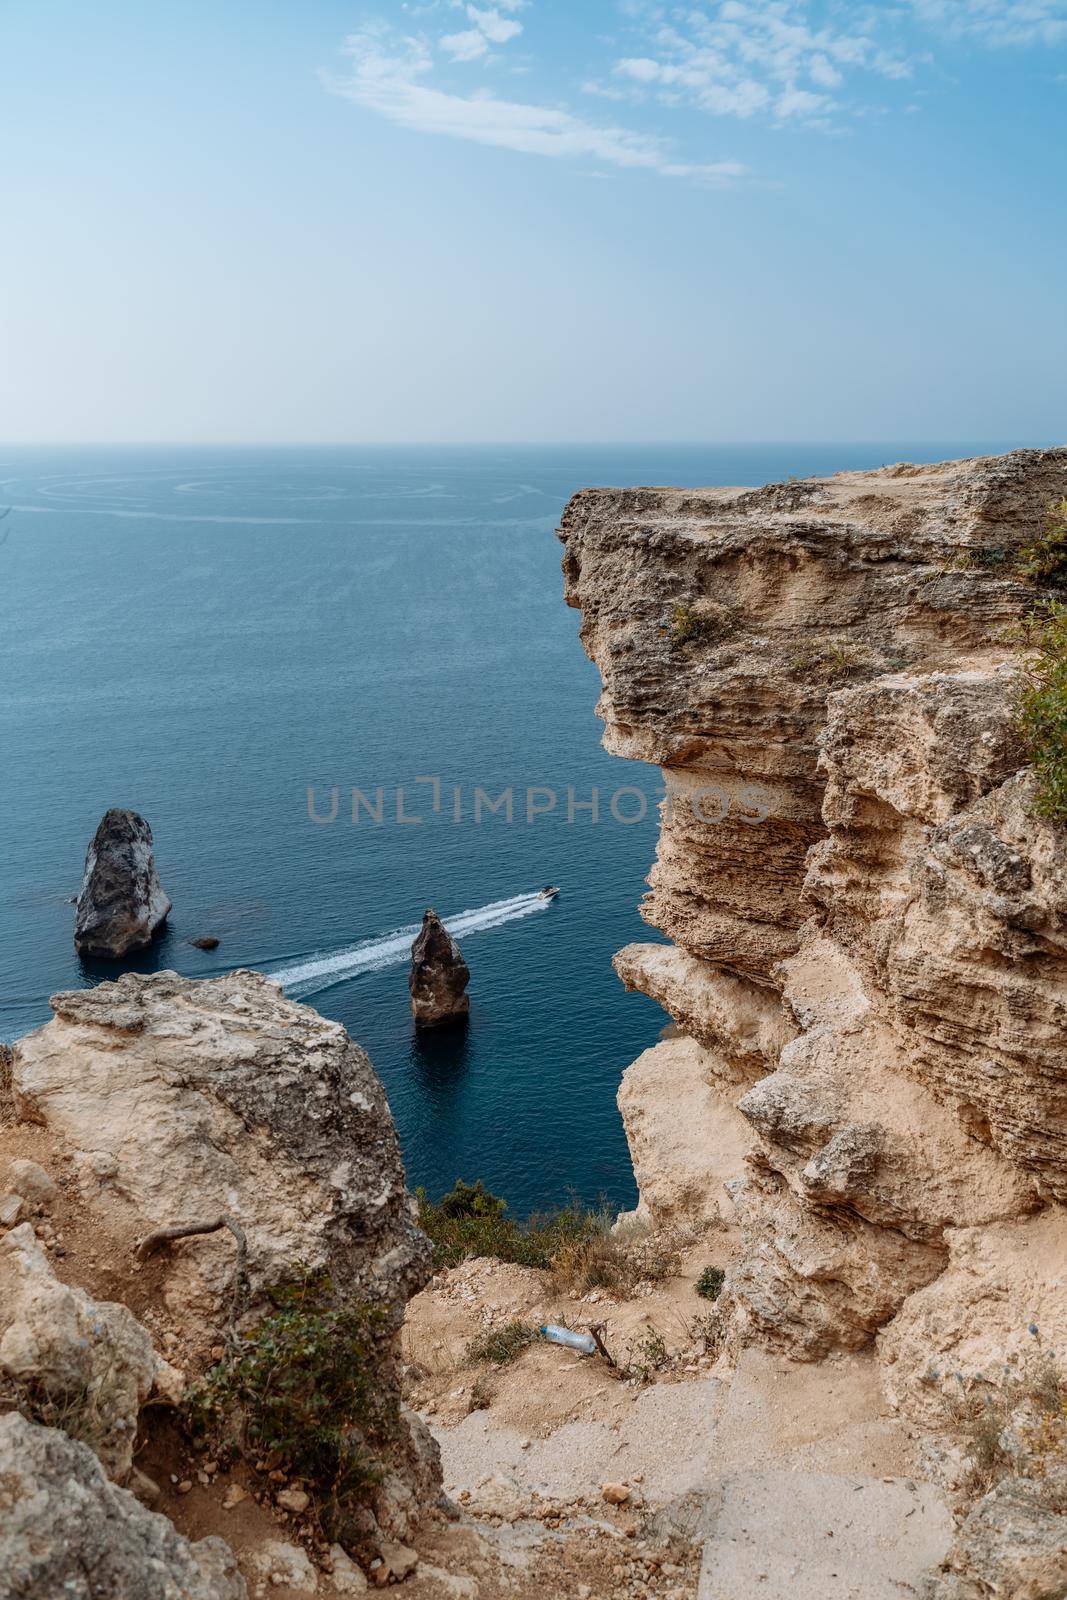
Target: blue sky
533 220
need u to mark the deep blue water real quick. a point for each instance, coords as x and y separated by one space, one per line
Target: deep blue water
202 634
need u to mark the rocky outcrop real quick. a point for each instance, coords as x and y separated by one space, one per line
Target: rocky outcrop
184 1103
1012 1544
868 920
65 1530
122 905
67 1356
439 976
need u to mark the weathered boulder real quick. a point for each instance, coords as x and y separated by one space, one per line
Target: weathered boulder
439 976
87 1362
1012 1545
185 1102
122 905
65 1530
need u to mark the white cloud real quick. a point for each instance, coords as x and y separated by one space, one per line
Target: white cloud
390 76
467 46
497 29
1002 24
748 56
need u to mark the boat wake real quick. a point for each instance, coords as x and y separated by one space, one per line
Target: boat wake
320 972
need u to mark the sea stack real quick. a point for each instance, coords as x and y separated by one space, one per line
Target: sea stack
122 905
439 976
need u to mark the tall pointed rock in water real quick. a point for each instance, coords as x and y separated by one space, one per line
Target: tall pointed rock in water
122 905
439 976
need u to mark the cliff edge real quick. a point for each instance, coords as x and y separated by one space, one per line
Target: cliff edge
867 913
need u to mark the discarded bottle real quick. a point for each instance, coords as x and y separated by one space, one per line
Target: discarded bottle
574 1341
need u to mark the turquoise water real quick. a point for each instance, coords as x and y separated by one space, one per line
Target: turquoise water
204 634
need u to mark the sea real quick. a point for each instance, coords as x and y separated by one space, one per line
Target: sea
320 673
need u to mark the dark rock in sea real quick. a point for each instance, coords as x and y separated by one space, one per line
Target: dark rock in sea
439 976
206 941
122 905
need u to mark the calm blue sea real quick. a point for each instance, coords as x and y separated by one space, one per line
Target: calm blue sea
203 634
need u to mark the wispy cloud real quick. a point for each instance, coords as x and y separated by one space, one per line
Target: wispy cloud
816 64
394 76
746 57
1002 24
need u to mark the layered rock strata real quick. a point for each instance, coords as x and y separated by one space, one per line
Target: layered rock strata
868 919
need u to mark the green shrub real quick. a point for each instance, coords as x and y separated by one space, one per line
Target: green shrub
685 626
470 1221
304 1388
501 1345
1045 560
709 1284
1043 706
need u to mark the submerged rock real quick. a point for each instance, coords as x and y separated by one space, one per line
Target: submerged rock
439 976
122 905
205 941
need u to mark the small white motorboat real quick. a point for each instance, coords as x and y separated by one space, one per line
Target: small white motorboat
549 892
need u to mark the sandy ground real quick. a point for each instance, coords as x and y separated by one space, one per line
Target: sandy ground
528 1447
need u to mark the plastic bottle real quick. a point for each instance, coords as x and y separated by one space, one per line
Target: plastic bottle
574 1341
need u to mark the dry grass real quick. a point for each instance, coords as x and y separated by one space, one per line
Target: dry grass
1014 1424
501 1345
614 1258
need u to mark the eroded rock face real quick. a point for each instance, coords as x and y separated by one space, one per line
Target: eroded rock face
88 1361
439 976
869 923
122 905
65 1530
183 1102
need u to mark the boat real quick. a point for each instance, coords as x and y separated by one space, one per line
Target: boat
549 892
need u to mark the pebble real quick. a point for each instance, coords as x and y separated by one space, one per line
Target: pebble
233 1496
615 1494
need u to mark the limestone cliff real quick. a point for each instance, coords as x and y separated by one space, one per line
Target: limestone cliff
868 921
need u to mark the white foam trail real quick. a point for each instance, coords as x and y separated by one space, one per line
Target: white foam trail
320 972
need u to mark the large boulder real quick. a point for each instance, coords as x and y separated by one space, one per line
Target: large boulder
88 1364
66 1531
122 905
222 1104
439 976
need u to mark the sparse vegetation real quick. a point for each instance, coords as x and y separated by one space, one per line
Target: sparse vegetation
501 1345
646 1356
709 1284
685 626
580 1248
304 1389
82 1412
470 1221
1045 559
1043 706
481 1397
833 661
1013 1424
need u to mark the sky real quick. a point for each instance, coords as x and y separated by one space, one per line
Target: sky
533 220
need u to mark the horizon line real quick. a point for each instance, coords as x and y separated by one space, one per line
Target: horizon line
491 444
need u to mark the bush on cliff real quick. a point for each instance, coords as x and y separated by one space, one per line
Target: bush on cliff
581 1249
303 1390
470 1221
1043 707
